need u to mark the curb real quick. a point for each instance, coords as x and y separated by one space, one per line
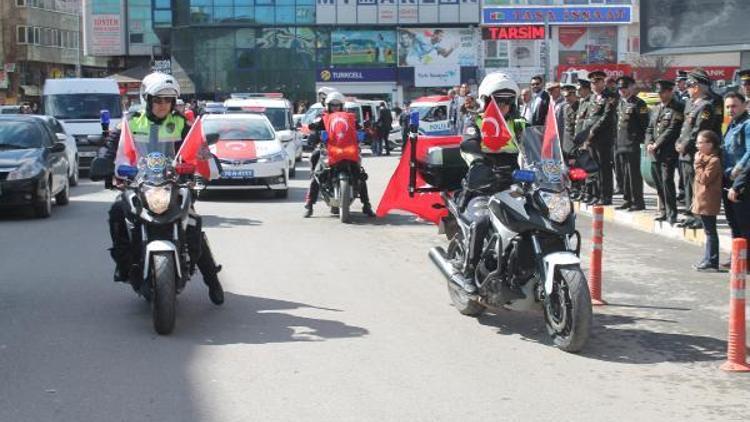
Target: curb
645 222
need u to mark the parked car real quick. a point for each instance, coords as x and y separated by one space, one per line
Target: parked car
214 108
33 165
10 109
71 149
251 154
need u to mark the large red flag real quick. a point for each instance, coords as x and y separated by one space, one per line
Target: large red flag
194 150
342 142
550 133
428 206
495 131
127 154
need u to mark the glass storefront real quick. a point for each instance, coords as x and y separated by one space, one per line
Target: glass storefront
283 12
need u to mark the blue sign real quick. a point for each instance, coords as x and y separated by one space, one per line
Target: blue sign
566 15
384 74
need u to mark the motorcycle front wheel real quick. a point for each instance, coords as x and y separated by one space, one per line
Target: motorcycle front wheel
345 191
164 300
567 310
461 301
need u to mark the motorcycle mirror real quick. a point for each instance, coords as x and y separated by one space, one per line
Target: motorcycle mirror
524 176
184 169
101 168
324 136
127 172
360 136
577 174
212 138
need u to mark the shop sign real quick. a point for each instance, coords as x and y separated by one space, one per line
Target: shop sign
385 74
437 76
563 15
388 12
107 35
714 72
164 66
612 70
524 32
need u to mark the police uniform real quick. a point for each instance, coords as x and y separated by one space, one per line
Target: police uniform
663 131
744 76
598 128
569 114
632 121
699 115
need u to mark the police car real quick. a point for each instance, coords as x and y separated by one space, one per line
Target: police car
433 115
279 112
251 155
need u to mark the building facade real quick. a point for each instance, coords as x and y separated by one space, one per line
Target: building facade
41 40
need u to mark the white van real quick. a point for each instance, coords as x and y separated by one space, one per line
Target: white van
78 102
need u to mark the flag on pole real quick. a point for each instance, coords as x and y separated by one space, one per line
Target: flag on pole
550 133
495 131
127 154
194 150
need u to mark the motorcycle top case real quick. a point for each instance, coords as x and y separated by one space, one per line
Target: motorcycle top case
443 167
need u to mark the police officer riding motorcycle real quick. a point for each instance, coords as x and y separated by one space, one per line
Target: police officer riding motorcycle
158 128
334 102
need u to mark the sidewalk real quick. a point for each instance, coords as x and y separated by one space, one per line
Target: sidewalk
644 221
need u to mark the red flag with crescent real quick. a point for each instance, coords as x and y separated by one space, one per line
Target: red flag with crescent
550 133
495 132
194 150
127 154
342 141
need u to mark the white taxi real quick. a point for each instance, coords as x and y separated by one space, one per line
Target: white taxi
279 112
251 155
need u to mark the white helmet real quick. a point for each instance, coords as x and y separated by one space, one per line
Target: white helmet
494 82
335 97
159 84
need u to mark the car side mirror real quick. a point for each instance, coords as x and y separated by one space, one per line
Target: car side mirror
61 137
212 138
57 147
101 168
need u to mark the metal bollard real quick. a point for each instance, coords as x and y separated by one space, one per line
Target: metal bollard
595 270
736 354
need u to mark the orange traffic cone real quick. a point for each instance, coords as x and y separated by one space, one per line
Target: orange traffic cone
736 352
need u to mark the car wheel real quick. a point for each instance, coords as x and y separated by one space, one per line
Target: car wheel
43 209
76 174
63 197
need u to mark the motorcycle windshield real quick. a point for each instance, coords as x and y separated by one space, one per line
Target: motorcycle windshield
541 152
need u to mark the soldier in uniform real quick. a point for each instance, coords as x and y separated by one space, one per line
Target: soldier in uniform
597 135
632 121
663 131
584 96
744 76
569 113
699 115
680 91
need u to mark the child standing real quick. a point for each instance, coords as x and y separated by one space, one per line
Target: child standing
707 201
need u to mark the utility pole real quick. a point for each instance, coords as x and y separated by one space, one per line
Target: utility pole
545 49
81 41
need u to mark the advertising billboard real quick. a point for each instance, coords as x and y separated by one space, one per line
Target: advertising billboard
562 15
363 47
389 12
437 46
675 26
104 28
437 76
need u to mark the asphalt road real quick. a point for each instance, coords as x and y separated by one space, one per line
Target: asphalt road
338 323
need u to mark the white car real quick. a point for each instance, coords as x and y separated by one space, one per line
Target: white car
279 112
251 155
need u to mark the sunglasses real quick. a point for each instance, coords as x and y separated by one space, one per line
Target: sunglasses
504 100
162 100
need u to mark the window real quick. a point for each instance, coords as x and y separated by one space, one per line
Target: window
136 38
21 34
496 54
20 3
37 36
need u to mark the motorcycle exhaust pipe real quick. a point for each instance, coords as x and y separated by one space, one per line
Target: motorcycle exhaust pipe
438 257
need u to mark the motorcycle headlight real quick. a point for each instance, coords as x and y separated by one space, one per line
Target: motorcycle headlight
157 198
279 156
26 170
558 205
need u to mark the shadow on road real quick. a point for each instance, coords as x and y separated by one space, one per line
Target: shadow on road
257 320
228 222
296 194
632 345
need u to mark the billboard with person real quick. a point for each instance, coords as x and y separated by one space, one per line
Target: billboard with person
363 47
438 46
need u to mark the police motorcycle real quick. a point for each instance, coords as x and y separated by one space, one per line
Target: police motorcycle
338 171
530 254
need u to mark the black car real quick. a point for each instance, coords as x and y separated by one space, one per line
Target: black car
33 165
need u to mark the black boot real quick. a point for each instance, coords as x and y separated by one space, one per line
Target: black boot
209 270
308 211
367 210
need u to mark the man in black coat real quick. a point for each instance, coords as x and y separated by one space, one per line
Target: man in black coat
537 112
661 135
383 126
632 121
601 115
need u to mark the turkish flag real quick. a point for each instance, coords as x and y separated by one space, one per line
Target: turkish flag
127 154
428 206
550 133
495 132
342 128
194 150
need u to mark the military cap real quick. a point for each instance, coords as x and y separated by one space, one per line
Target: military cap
584 83
663 84
699 76
744 75
569 87
595 74
625 81
551 85
681 75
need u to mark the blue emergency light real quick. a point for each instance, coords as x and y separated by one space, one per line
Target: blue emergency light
524 176
414 118
127 172
104 117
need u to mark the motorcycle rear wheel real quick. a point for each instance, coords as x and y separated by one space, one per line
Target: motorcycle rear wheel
164 301
346 198
461 300
567 312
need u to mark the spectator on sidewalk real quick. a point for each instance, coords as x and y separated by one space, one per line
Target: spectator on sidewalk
469 111
736 159
707 190
632 121
536 113
524 102
663 131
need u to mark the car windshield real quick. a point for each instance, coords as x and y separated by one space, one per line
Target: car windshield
277 116
19 135
544 156
311 115
432 113
239 129
82 106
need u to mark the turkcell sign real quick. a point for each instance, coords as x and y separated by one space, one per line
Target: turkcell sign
385 74
525 32
563 15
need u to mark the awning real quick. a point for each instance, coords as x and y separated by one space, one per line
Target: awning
122 79
31 90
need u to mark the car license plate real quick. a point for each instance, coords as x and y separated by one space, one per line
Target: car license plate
238 174
87 154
